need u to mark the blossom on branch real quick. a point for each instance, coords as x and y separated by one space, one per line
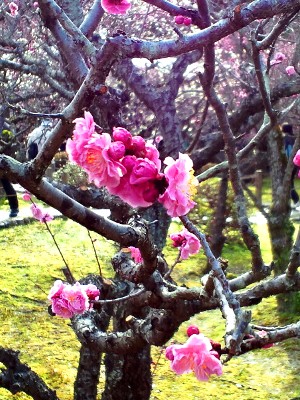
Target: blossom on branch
192 330
136 254
13 8
187 242
83 131
26 196
296 159
177 198
290 70
196 355
69 300
182 20
129 167
39 214
116 6
278 58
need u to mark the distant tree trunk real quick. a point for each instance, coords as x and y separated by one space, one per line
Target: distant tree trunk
280 227
217 225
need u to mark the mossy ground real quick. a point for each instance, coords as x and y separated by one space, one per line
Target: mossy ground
30 263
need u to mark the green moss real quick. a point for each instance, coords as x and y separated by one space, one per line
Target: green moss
30 263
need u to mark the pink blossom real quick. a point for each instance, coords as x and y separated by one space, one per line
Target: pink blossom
61 308
68 300
83 131
139 195
13 8
76 297
92 291
56 289
138 146
192 330
26 196
138 187
296 159
100 167
179 19
177 198
136 254
187 21
122 135
290 70
194 356
153 155
278 58
39 214
116 6
36 4
143 171
116 150
187 242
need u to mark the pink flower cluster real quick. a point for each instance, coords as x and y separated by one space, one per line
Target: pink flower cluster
68 300
13 8
116 6
290 70
37 212
182 20
296 161
136 254
278 58
129 167
196 355
177 198
187 242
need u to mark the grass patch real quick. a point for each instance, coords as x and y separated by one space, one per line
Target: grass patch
30 263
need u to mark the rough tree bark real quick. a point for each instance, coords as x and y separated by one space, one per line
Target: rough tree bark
280 226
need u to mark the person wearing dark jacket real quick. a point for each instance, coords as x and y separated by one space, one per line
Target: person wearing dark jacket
9 190
11 196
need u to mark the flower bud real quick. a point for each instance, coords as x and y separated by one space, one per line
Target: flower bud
192 330
187 21
179 19
116 150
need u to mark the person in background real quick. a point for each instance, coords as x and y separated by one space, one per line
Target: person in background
6 137
289 140
11 196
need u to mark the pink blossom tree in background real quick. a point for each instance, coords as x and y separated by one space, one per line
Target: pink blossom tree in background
152 98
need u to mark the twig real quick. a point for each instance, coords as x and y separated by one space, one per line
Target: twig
177 261
66 270
97 259
120 299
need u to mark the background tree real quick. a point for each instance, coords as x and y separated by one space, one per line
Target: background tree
208 87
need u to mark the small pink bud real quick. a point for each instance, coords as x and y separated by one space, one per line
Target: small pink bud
179 19
122 135
26 196
290 70
187 21
116 150
192 330
215 353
